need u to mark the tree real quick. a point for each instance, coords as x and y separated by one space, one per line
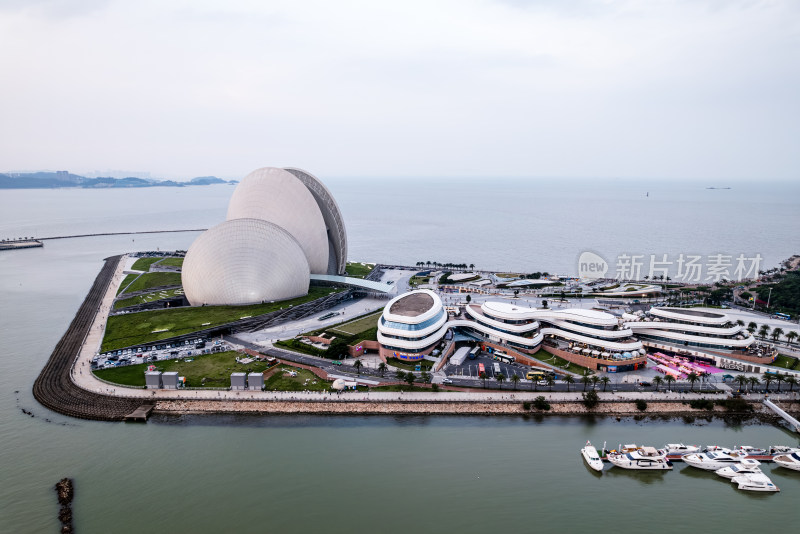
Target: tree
515 380
400 374
590 399
469 298
482 376
745 296
605 380
669 379
550 381
410 379
382 369
754 381
657 380
500 377
778 379
742 381
595 379
767 378
791 336
425 377
792 381
337 349
739 322
763 332
471 266
776 334
357 365
692 378
568 380
752 327
585 381
544 304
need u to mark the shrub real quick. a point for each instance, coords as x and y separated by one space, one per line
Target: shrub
736 405
526 405
591 399
702 404
641 405
540 403
434 387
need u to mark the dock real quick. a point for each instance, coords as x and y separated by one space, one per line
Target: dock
18 244
140 414
794 423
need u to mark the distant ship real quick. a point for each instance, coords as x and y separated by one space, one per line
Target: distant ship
717 187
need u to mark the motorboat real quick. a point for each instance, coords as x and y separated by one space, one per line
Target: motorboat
711 461
644 458
755 482
716 448
750 451
680 448
592 458
745 467
783 449
789 461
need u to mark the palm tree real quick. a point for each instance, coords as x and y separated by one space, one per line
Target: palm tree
776 334
534 384
767 378
752 327
692 378
500 377
792 381
791 336
742 380
550 381
471 266
754 381
585 381
657 380
515 380
739 322
410 379
482 376
778 379
595 379
400 374
763 332
605 380
382 369
669 380
568 380
357 364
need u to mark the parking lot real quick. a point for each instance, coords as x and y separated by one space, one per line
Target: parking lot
469 369
187 349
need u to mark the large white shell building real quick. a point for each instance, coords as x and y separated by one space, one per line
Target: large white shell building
282 225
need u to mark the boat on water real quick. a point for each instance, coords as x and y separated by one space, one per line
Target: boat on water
717 448
789 461
755 482
782 449
648 458
745 467
680 448
711 461
593 460
750 451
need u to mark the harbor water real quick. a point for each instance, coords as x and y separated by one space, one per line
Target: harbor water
388 474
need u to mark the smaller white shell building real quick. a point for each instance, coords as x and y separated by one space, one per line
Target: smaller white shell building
244 261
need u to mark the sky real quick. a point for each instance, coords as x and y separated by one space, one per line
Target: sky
684 90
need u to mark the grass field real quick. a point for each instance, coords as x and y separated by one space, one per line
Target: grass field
148 280
172 262
359 270
147 297
304 381
394 362
138 328
210 370
125 281
508 275
359 325
143 264
544 356
786 362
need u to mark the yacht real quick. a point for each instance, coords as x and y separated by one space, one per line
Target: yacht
789 461
592 458
716 448
680 448
756 482
745 467
750 451
644 458
711 461
783 449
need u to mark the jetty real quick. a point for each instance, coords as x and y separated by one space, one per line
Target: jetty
17 244
794 423
140 414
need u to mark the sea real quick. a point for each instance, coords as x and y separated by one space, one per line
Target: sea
376 473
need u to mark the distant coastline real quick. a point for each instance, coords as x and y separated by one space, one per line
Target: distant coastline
62 179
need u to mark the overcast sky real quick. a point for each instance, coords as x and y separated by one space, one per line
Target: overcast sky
683 90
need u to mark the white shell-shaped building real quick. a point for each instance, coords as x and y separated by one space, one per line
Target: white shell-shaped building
244 261
300 204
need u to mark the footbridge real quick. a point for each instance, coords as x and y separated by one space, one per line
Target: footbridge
794 423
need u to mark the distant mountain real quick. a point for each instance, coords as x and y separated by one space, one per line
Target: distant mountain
50 180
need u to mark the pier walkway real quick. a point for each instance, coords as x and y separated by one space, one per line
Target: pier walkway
794 423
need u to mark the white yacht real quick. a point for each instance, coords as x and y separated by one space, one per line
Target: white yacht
592 458
745 467
644 458
716 448
789 461
711 461
750 451
756 482
680 448
783 449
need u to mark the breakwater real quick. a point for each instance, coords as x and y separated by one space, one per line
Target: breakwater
120 233
54 387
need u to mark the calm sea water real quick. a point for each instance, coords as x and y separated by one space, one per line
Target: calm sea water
389 474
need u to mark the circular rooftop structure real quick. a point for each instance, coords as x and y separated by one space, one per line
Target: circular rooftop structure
280 197
412 305
244 261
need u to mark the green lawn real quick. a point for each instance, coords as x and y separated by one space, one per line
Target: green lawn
359 270
172 262
210 370
394 362
304 381
357 326
786 362
143 264
400 387
148 280
544 356
508 275
138 328
125 281
147 297
416 280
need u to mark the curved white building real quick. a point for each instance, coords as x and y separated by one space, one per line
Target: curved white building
244 261
280 197
690 327
411 325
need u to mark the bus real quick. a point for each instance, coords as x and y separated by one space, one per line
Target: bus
779 315
474 352
496 368
503 357
535 375
481 369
